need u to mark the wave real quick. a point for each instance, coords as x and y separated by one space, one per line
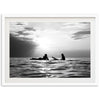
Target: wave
70 68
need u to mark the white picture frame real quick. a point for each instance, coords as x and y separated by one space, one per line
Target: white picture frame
7 81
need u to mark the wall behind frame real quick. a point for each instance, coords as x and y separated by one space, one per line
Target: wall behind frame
52 6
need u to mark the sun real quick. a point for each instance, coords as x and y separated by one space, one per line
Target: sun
44 43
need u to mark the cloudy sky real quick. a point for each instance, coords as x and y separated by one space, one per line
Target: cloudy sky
33 39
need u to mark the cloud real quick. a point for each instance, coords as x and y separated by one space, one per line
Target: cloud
25 32
29 28
80 35
19 48
85 22
28 31
19 23
77 30
22 31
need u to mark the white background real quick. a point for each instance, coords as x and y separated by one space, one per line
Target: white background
52 7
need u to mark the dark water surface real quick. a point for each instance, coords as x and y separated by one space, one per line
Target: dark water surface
70 68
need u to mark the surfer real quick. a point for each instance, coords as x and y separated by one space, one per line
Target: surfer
45 57
62 57
54 58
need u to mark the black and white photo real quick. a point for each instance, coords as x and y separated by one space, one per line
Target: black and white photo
49 49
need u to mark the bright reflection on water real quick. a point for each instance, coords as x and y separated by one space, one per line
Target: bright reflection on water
70 68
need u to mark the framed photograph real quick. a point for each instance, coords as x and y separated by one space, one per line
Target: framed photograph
48 50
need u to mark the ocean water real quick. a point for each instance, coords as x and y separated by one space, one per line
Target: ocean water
69 68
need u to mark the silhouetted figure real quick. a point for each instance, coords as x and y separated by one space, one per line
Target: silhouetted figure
45 57
40 58
62 57
36 58
54 58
